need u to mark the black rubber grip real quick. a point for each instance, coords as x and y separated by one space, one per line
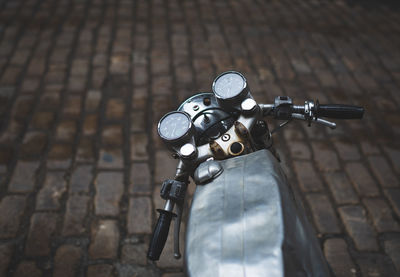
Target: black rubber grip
340 111
160 235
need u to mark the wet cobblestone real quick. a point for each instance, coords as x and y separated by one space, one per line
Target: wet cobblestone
84 83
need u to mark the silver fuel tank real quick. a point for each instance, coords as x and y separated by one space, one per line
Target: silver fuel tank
246 222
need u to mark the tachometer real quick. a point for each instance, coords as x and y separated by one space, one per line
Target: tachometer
230 88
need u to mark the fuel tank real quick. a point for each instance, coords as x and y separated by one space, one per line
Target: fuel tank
246 222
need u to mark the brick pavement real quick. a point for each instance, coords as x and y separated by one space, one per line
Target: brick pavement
83 84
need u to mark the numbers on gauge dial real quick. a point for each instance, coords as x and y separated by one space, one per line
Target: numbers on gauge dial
229 85
174 126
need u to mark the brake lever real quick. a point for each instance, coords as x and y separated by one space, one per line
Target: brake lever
177 227
324 122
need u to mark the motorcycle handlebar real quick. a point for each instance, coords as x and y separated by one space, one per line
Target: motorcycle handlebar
339 111
160 235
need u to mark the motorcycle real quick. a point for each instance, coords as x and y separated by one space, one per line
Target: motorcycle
244 219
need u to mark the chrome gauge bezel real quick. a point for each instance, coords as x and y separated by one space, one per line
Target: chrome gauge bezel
179 141
188 129
234 99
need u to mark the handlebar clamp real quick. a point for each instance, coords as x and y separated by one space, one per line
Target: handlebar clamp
282 107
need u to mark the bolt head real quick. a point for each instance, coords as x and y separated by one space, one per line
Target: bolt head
188 150
248 106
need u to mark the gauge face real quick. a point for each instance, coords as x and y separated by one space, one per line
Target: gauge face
229 85
174 125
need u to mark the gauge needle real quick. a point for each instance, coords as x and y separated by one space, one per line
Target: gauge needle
173 130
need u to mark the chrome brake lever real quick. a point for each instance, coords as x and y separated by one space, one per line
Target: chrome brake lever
177 227
324 122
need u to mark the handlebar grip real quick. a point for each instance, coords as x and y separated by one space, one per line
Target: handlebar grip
160 235
340 111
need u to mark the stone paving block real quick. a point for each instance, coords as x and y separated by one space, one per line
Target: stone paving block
323 213
140 75
33 145
42 120
36 67
60 156
66 130
23 178
104 240
109 190
361 179
140 178
72 106
11 210
56 76
134 254
139 216
308 178
90 124
341 188
23 106
300 150
99 59
49 101
98 77
355 222
86 150
138 121
376 265
177 274
392 248
76 211
139 144
75 84
394 156
161 85
48 198
393 195
119 64
79 67
81 178
93 99
383 172
381 214
338 257
14 129
27 268
324 156
111 158
10 75
115 109
165 166
112 135
67 261
41 230
100 270
347 150
6 252
30 85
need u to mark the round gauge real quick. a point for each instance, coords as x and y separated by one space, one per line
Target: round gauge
228 85
174 125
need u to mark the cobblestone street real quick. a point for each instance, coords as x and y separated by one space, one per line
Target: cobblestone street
84 83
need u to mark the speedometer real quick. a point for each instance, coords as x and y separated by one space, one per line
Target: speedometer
230 88
175 128
229 85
